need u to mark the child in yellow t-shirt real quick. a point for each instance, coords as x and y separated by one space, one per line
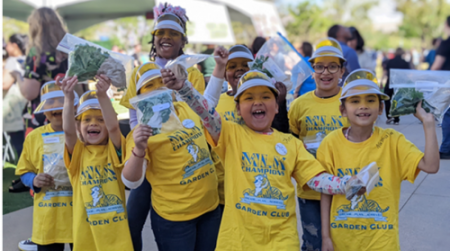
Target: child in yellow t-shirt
260 197
185 213
169 37
237 65
52 211
370 222
94 164
311 117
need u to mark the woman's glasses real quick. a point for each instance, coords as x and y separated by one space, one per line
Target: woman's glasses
332 68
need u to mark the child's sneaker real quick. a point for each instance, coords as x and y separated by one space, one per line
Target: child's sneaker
27 245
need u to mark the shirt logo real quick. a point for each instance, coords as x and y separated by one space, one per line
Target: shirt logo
103 203
200 158
264 193
361 207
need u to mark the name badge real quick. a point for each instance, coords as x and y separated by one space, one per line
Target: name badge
160 107
51 140
281 149
188 123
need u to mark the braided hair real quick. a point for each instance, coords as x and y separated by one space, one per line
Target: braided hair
184 39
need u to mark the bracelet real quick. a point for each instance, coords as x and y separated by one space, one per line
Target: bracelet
135 155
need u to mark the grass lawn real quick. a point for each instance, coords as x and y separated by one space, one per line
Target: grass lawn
13 201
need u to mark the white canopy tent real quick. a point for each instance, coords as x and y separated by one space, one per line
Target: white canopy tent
211 17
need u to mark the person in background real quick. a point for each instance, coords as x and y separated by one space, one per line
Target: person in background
365 57
13 101
343 35
431 55
396 63
209 51
442 62
257 44
43 62
136 55
308 85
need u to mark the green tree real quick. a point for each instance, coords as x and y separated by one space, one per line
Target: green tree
12 26
422 18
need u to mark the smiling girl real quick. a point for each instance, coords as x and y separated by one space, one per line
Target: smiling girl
168 40
185 213
260 161
371 222
314 115
94 163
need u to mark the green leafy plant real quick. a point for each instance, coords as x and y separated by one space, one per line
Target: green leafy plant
259 65
405 102
85 61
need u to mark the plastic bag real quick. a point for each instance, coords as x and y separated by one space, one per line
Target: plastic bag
156 110
411 86
367 177
312 142
180 65
87 59
284 62
54 158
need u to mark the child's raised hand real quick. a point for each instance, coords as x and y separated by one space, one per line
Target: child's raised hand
67 85
141 135
221 56
422 115
43 180
327 244
282 91
170 81
102 85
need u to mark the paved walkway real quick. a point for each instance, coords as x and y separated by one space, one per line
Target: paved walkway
424 219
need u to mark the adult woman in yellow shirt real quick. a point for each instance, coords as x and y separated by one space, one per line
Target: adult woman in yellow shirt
311 117
168 40
185 213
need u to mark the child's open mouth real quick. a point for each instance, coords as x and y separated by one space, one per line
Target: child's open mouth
93 133
238 74
166 46
363 115
326 80
259 114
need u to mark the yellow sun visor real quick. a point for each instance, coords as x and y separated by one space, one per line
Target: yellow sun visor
327 47
169 21
146 73
251 79
52 98
361 82
88 101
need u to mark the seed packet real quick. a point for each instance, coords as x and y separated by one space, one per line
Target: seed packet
54 158
367 177
87 59
411 86
156 110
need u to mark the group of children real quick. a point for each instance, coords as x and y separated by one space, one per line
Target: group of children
223 180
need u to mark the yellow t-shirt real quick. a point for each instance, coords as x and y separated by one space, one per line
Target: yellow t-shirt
227 110
180 169
369 223
260 197
52 212
310 115
194 76
99 198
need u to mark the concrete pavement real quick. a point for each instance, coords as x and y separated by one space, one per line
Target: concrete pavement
424 218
